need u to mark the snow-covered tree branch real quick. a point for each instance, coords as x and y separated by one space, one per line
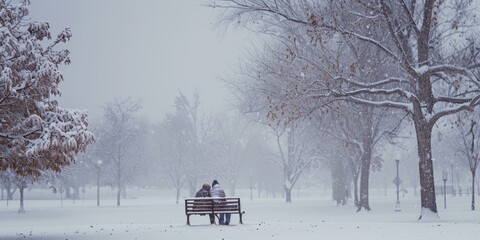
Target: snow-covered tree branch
36 134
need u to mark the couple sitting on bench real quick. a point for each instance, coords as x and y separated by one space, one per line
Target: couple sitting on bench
214 191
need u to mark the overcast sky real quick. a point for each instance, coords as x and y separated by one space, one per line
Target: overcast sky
147 49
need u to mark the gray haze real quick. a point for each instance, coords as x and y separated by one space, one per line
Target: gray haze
148 49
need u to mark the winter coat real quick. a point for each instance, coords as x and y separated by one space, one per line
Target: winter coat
217 191
203 192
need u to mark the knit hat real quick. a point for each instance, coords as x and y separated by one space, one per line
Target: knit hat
206 186
215 182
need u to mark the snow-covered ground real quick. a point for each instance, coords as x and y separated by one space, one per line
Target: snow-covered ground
153 215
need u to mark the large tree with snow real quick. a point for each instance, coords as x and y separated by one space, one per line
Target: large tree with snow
269 83
36 134
431 47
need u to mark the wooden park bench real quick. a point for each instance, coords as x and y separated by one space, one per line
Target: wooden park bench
205 206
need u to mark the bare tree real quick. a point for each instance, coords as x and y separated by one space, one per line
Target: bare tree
188 110
184 138
6 178
296 152
174 142
276 77
469 144
231 135
360 128
433 78
120 141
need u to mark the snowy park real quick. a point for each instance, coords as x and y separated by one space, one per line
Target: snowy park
303 119
153 214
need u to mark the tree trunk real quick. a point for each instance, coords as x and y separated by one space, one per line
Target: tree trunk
10 191
119 193
367 145
178 195
458 185
364 201
339 182
289 179
364 179
473 190
288 195
21 210
427 184
355 191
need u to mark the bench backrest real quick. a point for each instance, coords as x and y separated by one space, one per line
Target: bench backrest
212 205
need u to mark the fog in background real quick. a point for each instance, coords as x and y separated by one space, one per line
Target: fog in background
148 50
159 65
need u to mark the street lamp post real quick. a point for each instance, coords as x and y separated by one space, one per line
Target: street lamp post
99 163
453 189
61 196
74 195
397 182
444 177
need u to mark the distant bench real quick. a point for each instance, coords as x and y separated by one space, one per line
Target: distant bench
203 206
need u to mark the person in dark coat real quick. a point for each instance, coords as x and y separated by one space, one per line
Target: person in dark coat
217 191
205 192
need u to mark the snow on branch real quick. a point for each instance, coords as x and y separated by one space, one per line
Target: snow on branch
369 40
35 133
453 100
430 70
405 106
379 83
374 91
458 108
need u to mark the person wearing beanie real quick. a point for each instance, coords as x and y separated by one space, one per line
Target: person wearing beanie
217 191
205 192
215 182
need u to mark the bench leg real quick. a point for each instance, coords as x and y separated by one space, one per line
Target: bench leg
241 222
188 220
